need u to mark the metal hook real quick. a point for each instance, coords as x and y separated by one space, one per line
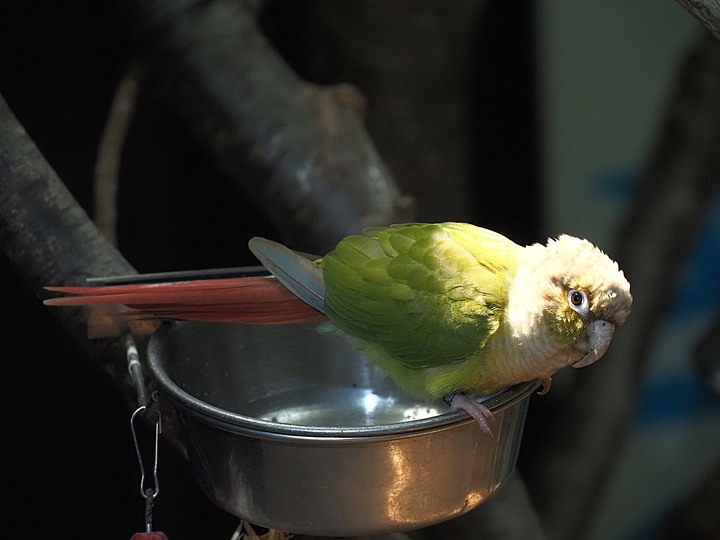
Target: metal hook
149 490
155 489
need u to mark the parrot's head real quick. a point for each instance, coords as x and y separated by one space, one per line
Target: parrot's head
581 295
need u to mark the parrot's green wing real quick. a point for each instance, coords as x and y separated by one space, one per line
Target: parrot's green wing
428 294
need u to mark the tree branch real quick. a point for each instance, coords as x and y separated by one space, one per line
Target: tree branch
49 240
44 233
297 150
706 11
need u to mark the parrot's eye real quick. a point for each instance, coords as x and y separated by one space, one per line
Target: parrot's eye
578 301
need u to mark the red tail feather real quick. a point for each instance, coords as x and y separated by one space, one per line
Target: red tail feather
259 300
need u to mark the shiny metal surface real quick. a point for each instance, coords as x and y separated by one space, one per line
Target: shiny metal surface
292 429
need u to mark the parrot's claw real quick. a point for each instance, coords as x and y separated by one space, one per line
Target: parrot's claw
478 411
545 386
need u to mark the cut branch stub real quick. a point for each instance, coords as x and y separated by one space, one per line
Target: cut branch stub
298 151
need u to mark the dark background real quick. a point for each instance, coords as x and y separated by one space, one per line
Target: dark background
68 466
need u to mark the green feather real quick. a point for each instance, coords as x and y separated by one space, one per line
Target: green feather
421 296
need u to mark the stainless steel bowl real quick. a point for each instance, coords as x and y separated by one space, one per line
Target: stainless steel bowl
292 429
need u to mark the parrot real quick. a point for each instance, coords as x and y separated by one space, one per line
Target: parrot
448 310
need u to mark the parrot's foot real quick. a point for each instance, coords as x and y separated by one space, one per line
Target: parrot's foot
478 411
545 388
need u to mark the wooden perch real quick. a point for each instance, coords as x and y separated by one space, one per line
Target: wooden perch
49 239
45 234
298 151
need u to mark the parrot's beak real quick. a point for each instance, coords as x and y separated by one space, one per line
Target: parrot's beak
600 335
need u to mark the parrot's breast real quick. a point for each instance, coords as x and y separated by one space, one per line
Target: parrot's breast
515 357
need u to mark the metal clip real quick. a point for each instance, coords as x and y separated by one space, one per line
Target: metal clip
155 489
149 490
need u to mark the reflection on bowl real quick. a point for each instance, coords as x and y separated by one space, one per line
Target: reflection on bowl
293 429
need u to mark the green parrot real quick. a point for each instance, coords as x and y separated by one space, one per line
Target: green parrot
448 310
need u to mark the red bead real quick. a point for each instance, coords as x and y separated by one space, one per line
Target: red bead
149 536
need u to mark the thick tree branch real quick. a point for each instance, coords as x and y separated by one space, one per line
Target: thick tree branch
706 11
423 131
44 233
50 240
297 150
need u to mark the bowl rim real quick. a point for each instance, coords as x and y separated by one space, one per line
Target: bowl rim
239 423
